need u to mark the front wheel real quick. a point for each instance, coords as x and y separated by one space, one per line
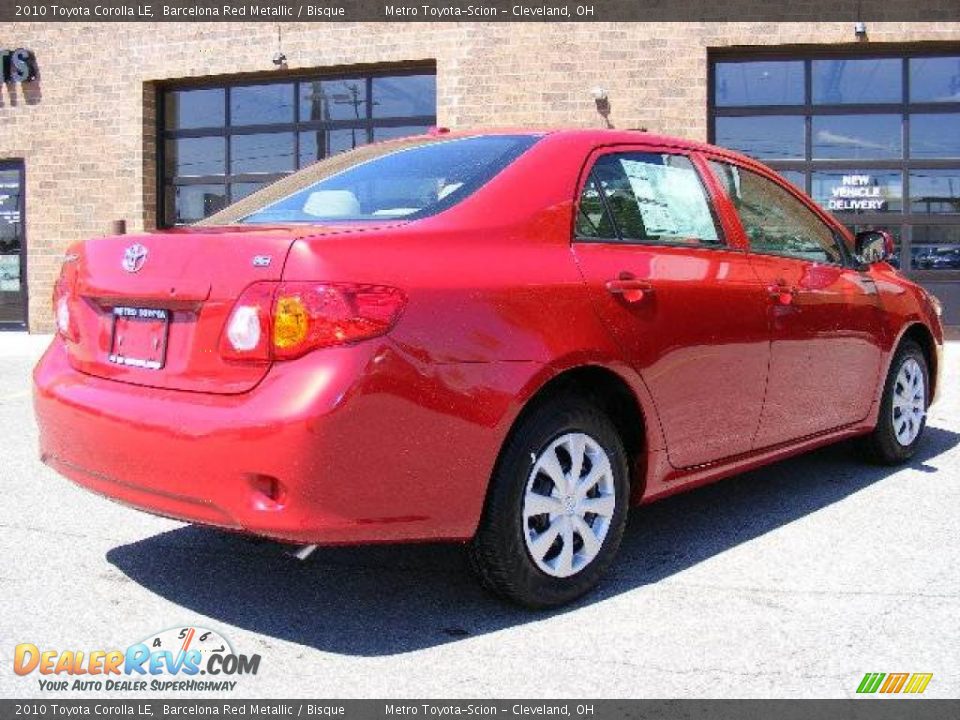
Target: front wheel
903 408
557 506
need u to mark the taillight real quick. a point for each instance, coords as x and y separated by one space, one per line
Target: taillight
307 316
247 333
289 319
62 311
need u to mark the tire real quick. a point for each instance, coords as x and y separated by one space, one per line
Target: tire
903 407
502 552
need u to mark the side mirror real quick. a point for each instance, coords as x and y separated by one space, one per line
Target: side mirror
874 246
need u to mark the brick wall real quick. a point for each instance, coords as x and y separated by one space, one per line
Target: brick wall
86 129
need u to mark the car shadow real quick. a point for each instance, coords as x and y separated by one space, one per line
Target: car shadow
384 600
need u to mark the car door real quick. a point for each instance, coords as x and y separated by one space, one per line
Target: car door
685 307
824 314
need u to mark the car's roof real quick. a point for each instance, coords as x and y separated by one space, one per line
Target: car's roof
598 137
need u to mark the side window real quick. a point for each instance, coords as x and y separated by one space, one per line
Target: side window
775 221
593 220
646 198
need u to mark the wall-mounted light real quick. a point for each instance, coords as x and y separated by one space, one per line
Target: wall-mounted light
279 59
602 101
860 30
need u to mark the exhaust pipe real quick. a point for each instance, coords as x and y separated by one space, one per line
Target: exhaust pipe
302 552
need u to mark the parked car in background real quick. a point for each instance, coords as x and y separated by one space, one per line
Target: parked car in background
940 259
503 339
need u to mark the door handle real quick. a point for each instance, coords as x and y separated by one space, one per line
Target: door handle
630 289
781 293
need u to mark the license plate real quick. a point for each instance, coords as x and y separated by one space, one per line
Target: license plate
140 337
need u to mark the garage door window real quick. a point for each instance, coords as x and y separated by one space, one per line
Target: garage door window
219 144
873 136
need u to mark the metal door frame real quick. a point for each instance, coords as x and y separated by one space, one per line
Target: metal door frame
19 165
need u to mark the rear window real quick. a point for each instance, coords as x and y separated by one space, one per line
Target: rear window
409 183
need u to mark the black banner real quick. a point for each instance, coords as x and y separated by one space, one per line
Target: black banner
477 10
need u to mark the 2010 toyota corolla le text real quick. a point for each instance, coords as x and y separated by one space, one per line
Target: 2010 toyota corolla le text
503 338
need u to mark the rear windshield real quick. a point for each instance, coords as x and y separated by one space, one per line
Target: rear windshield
410 182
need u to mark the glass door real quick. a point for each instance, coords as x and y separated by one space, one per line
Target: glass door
13 278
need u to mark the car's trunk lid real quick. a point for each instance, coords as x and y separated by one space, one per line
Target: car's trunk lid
150 309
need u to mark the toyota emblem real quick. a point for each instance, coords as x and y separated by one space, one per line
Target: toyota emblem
134 257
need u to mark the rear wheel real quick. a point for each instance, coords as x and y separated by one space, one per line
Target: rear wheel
903 409
557 506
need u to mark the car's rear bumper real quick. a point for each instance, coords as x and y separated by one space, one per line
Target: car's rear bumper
347 455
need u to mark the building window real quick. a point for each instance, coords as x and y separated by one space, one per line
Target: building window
873 137
219 144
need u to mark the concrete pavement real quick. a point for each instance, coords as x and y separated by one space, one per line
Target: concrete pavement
793 580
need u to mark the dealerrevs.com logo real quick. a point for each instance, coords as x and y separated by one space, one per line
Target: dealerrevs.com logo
894 683
184 659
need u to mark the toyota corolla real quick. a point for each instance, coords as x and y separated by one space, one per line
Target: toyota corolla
504 339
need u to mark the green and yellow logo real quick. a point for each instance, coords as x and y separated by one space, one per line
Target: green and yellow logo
914 683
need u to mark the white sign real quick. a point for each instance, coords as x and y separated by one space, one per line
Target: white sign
670 200
857 193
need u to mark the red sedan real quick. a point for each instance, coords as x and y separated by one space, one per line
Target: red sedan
504 339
